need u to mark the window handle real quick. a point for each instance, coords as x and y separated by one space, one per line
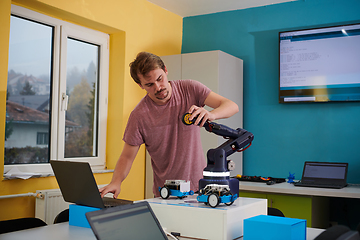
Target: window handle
64 102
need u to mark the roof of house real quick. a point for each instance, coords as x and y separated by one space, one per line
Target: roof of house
39 102
19 113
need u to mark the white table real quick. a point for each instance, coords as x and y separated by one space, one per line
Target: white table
52 232
63 231
197 220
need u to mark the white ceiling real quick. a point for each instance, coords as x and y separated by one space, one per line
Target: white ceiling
186 8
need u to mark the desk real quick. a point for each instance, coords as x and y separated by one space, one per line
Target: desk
197 220
307 203
62 231
287 188
58 231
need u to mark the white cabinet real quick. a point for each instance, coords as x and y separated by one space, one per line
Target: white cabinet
223 74
197 221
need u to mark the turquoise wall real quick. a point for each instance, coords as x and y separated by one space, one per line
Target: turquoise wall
285 135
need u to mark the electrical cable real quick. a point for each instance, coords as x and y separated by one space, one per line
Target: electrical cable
169 234
245 148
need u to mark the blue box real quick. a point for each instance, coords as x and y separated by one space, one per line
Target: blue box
265 227
77 215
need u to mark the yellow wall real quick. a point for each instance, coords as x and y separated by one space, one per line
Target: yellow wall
134 26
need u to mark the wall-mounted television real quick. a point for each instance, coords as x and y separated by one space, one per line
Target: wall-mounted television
320 64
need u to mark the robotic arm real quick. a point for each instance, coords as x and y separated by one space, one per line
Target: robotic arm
218 167
239 139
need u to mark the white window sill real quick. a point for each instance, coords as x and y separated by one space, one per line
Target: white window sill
25 175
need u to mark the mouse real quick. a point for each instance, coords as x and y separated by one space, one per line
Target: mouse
270 182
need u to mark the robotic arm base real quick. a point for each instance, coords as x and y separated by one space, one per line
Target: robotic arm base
232 182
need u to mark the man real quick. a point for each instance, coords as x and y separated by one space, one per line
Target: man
175 148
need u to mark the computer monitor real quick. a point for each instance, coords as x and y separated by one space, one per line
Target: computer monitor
320 64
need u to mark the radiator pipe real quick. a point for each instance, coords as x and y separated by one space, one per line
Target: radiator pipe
37 195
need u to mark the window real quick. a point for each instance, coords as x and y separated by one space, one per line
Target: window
57 89
42 138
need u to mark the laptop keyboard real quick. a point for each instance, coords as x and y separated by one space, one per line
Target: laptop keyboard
108 202
321 185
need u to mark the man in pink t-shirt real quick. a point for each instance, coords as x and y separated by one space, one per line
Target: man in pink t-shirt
175 148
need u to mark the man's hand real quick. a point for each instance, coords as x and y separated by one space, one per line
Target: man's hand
221 108
111 188
202 115
121 170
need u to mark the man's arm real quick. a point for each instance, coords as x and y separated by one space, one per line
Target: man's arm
121 170
222 108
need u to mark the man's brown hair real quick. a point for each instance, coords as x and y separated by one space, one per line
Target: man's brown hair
143 64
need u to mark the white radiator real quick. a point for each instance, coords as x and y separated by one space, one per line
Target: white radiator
49 205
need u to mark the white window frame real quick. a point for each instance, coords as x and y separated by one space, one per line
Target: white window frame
63 30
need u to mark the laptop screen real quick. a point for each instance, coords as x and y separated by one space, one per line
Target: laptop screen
133 221
325 170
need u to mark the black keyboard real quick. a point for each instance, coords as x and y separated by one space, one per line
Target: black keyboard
324 185
110 202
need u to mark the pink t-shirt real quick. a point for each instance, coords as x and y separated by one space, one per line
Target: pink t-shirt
175 148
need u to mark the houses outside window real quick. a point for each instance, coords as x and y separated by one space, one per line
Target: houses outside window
56 103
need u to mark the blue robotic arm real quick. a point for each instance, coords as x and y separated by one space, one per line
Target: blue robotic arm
238 140
218 167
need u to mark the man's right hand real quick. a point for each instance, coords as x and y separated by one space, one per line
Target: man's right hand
111 188
121 170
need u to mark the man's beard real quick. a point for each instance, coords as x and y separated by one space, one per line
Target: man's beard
165 96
